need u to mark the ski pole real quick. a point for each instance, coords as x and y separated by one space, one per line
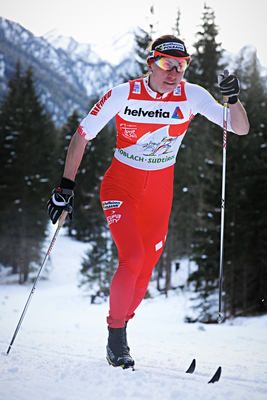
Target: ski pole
60 223
225 110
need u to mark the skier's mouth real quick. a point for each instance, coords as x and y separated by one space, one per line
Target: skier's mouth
170 83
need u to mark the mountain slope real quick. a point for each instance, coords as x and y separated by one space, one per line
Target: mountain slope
67 77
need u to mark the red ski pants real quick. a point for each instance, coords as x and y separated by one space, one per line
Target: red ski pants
137 206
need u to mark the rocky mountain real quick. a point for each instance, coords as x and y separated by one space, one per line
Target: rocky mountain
68 74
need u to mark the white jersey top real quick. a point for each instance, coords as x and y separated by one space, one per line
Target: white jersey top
150 127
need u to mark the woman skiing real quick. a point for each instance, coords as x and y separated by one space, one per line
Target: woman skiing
152 116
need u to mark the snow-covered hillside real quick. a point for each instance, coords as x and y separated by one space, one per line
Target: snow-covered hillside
114 50
59 353
68 74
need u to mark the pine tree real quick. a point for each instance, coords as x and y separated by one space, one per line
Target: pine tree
206 59
201 144
201 159
98 267
26 154
142 40
245 282
245 231
176 29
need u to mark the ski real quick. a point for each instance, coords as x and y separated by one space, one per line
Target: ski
191 368
214 378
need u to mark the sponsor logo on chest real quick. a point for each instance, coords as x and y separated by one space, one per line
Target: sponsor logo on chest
158 113
139 112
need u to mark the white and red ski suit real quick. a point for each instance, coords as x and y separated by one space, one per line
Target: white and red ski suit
137 189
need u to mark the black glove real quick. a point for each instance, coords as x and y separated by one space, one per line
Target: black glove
229 86
62 198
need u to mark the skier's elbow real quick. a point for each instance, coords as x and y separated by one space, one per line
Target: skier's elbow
241 131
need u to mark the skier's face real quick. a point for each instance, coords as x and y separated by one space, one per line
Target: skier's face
162 81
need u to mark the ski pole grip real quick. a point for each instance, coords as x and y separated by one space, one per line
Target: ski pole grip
225 73
220 78
62 218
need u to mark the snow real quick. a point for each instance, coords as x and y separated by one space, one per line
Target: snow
59 352
116 48
77 51
113 50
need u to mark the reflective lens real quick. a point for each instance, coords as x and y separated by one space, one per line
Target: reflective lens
168 63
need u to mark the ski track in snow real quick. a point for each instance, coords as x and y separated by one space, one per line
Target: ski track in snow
59 352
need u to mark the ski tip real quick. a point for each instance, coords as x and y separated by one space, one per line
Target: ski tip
216 376
192 367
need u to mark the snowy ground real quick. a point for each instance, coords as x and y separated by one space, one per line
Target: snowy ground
59 353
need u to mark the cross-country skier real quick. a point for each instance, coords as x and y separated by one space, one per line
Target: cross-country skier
152 116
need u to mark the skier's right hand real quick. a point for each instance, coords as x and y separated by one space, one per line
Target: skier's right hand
62 198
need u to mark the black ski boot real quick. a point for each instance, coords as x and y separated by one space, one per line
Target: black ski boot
117 348
125 337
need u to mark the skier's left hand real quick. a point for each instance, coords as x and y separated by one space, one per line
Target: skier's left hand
229 87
